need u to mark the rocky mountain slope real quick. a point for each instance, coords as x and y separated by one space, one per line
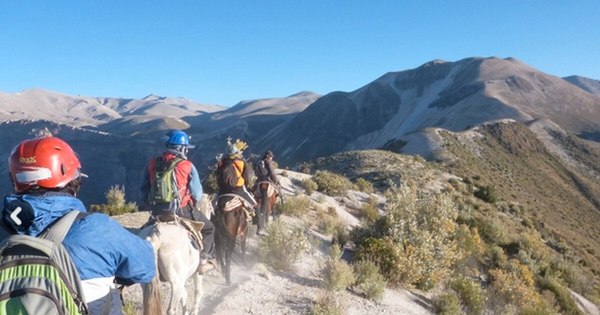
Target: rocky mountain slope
395 110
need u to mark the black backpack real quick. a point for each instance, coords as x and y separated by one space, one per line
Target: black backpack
260 169
163 186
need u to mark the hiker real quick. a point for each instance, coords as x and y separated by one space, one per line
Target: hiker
233 173
264 169
46 177
188 191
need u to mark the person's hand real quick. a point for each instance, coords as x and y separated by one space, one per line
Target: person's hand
124 282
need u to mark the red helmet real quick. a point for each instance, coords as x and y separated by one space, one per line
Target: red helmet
45 162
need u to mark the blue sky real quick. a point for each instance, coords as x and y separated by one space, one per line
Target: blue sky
222 52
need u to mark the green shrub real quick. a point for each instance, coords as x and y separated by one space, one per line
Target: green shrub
468 241
209 184
561 294
491 230
497 256
321 198
304 168
327 224
337 274
129 308
414 244
486 193
294 206
447 304
327 304
470 293
385 254
340 235
115 202
364 185
332 211
331 184
369 282
514 284
369 210
309 186
281 248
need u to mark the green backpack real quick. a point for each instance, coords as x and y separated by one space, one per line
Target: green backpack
37 275
163 185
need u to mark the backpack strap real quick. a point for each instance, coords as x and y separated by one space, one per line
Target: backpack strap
59 229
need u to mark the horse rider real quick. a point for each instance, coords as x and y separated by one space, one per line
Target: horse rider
233 174
189 191
46 177
268 175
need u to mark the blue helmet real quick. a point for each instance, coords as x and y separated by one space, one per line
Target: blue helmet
178 138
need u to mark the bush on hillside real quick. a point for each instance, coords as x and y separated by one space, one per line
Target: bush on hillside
340 235
304 168
327 303
369 210
491 230
369 282
470 294
337 274
281 248
414 244
515 285
115 202
561 294
209 184
309 186
364 185
486 193
447 303
294 206
331 184
327 223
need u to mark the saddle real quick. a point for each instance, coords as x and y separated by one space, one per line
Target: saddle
271 187
234 203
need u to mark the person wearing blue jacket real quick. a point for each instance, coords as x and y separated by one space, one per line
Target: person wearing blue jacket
46 176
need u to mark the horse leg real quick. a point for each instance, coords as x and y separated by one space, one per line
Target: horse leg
270 208
243 246
260 214
220 241
228 253
178 298
198 292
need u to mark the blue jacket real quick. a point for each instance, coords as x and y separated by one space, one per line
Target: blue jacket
98 245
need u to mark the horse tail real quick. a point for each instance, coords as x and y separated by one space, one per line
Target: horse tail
151 292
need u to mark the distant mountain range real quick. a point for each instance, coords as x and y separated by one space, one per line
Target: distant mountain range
395 110
400 111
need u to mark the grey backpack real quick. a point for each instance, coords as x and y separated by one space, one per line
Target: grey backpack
37 275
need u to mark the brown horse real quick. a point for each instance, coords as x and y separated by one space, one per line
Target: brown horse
266 195
230 221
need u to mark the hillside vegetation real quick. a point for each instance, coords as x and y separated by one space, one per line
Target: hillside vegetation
518 231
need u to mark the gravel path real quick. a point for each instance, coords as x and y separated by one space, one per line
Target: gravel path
255 289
